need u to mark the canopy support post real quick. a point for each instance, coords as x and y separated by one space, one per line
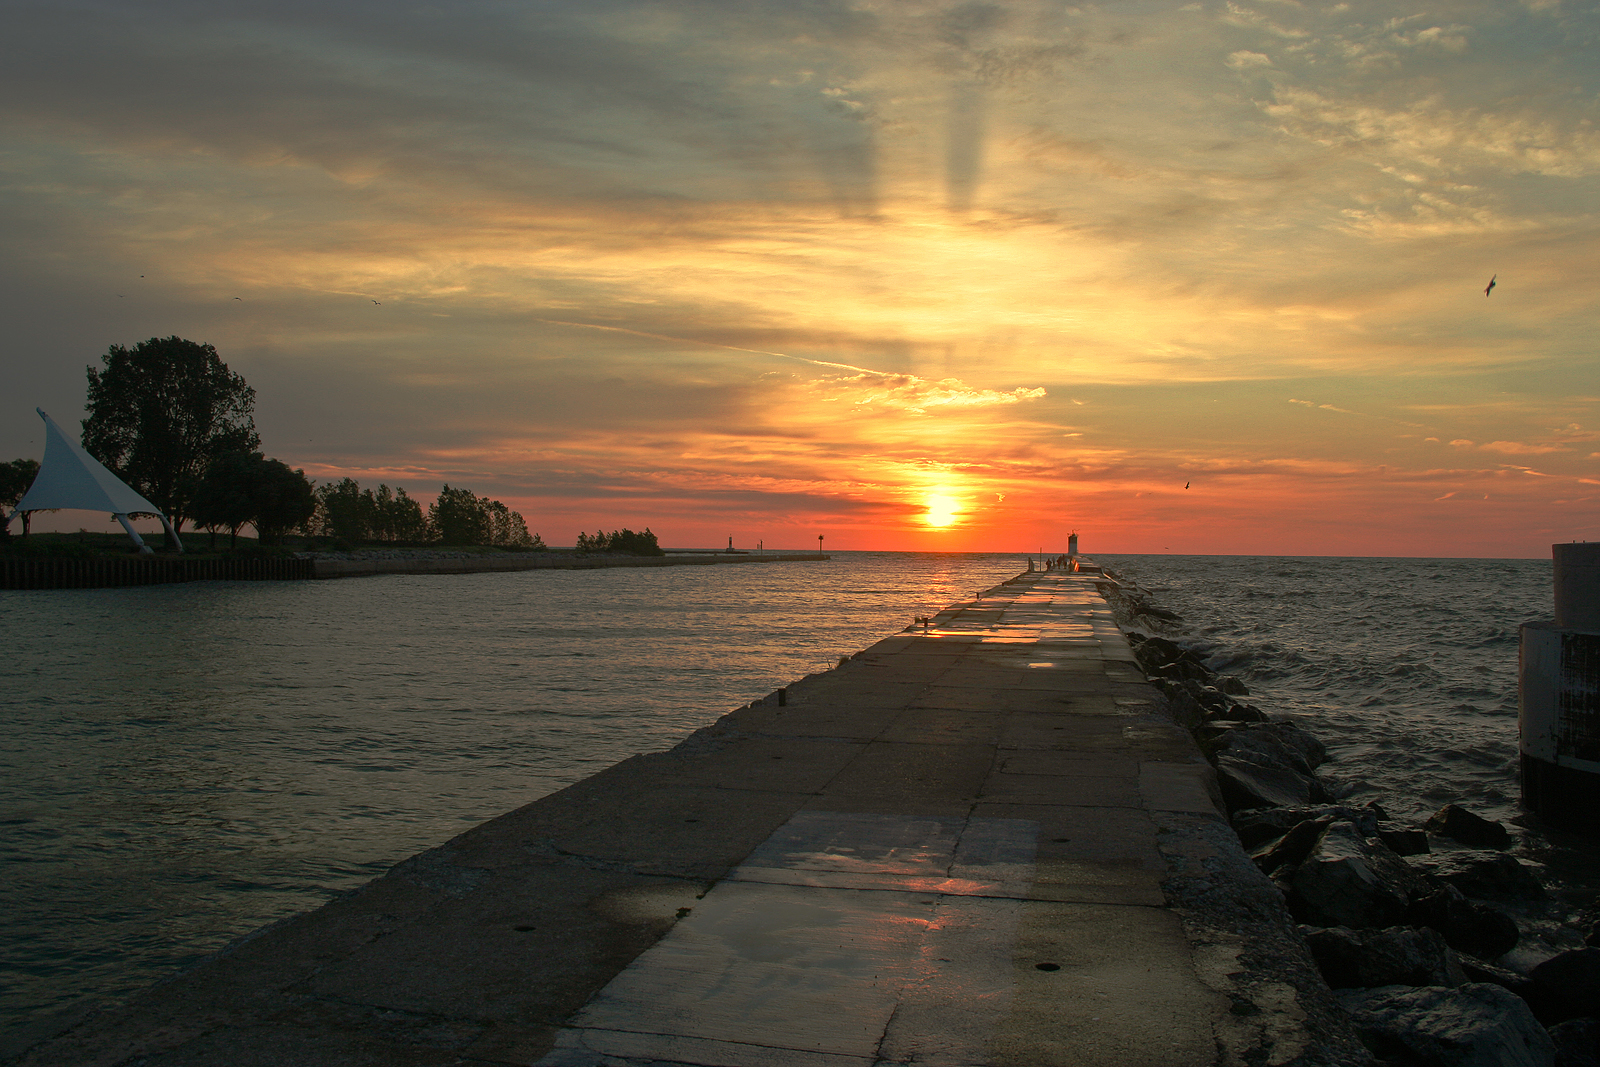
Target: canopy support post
171 532
144 549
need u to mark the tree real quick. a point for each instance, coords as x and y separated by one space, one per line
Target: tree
284 501
225 498
344 512
15 478
246 487
623 540
160 412
396 517
458 518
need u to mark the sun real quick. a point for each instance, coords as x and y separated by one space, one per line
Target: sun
942 511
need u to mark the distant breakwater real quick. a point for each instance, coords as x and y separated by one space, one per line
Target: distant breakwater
109 572
361 564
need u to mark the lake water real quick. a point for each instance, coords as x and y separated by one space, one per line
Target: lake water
184 763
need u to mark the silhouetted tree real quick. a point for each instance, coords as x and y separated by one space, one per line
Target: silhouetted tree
396 517
460 517
244 487
15 478
160 411
457 518
284 501
623 540
343 511
226 496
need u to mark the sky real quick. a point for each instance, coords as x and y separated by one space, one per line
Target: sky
945 276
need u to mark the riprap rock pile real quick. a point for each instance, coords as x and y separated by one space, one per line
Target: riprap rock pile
1412 942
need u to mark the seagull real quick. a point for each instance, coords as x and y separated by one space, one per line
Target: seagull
238 298
375 301
1186 485
1490 286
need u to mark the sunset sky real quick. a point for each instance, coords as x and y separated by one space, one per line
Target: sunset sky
910 275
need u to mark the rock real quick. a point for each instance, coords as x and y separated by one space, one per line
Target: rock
1265 743
1154 652
1253 785
1459 824
1474 1025
1544 1009
1291 849
1311 750
1404 842
1397 955
1206 696
1349 880
1469 927
1577 1043
1258 826
1185 711
1571 981
1236 713
1232 686
1484 875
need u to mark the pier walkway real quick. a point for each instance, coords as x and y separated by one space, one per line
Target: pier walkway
978 843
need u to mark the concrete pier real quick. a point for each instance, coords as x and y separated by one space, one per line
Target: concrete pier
979 842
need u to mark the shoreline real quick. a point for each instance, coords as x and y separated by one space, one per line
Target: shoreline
328 565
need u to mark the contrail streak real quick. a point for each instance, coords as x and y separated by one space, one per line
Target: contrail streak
711 344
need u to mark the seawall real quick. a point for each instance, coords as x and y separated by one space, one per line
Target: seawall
981 841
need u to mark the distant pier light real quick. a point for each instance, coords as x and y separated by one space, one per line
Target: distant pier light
1072 544
1558 689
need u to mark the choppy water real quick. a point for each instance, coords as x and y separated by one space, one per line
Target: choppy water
1405 668
182 764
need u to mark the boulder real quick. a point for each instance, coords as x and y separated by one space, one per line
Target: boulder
1265 743
1571 981
1157 652
1207 696
1185 711
1351 880
1484 875
1279 858
1260 825
1544 1009
1469 927
1313 751
1404 842
1577 1043
1459 824
1397 955
1232 686
1254 785
1236 712
1474 1025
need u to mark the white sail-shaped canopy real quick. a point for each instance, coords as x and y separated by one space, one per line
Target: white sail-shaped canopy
71 478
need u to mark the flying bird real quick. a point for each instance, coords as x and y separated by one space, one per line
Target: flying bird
375 301
1186 485
238 298
1490 286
